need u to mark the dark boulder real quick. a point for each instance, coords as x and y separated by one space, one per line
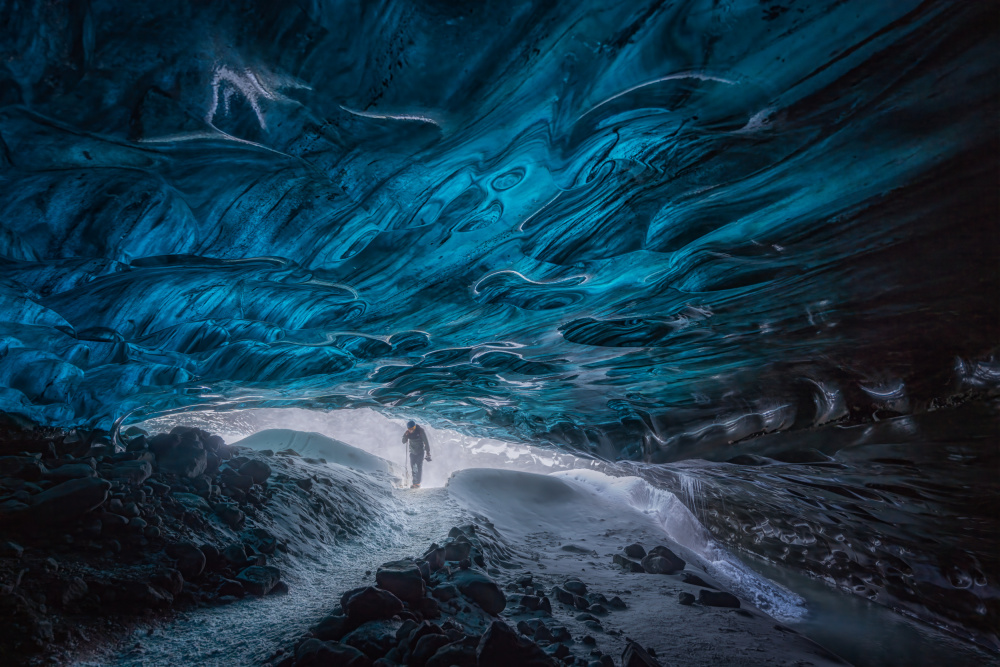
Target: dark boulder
685 599
661 560
629 565
695 580
132 472
22 467
576 587
374 638
372 604
316 653
256 470
481 589
259 579
425 647
635 551
70 471
502 647
333 627
185 460
718 599
67 501
190 559
635 656
401 578
453 655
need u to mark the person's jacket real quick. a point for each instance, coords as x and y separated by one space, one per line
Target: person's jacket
419 445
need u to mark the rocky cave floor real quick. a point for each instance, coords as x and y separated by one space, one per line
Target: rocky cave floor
103 551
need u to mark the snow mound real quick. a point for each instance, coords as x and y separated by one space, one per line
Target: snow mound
317 445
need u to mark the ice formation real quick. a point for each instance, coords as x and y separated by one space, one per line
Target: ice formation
643 231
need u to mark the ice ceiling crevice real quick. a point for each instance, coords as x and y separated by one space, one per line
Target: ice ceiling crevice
644 230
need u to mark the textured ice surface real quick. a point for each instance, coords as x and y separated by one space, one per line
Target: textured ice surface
638 229
641 227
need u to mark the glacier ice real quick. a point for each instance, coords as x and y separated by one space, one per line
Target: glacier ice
641 230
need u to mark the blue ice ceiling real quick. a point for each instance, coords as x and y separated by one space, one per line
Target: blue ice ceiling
645 229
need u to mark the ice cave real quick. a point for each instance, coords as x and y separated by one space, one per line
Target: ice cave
693 305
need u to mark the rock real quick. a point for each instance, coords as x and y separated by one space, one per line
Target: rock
482 590
635 551
372 604
67 501
231 515
576 587
695 580
501 647
333 627
685 599
69 471
319 653
402 579
563 596
11 550
71 591
425 647
627 564
530 602
170 580
457 551
374 638
257 470
232 588
158 488
259 579
132 472
22 467
280 588
661 560
453 655
190 559
635 656
192 502
718 599
445 592
675 562
235 480
184 460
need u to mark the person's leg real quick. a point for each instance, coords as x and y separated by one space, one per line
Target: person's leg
418 469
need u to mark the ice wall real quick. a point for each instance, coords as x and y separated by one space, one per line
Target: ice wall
641 229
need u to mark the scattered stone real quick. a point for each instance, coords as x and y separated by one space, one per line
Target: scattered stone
661 560
186 460
402 579
718 599
259 579
190 559
695 580
576 587
626 564
256 470
69 471
11 550
371 604
685 598
501 647
635 656
319 653
635 551
67 501
481 589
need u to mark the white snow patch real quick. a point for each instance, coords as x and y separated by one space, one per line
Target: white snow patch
317 445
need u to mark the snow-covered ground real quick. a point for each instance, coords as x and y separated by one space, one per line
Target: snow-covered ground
571 524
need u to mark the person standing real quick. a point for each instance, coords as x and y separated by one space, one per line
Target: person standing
420 449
